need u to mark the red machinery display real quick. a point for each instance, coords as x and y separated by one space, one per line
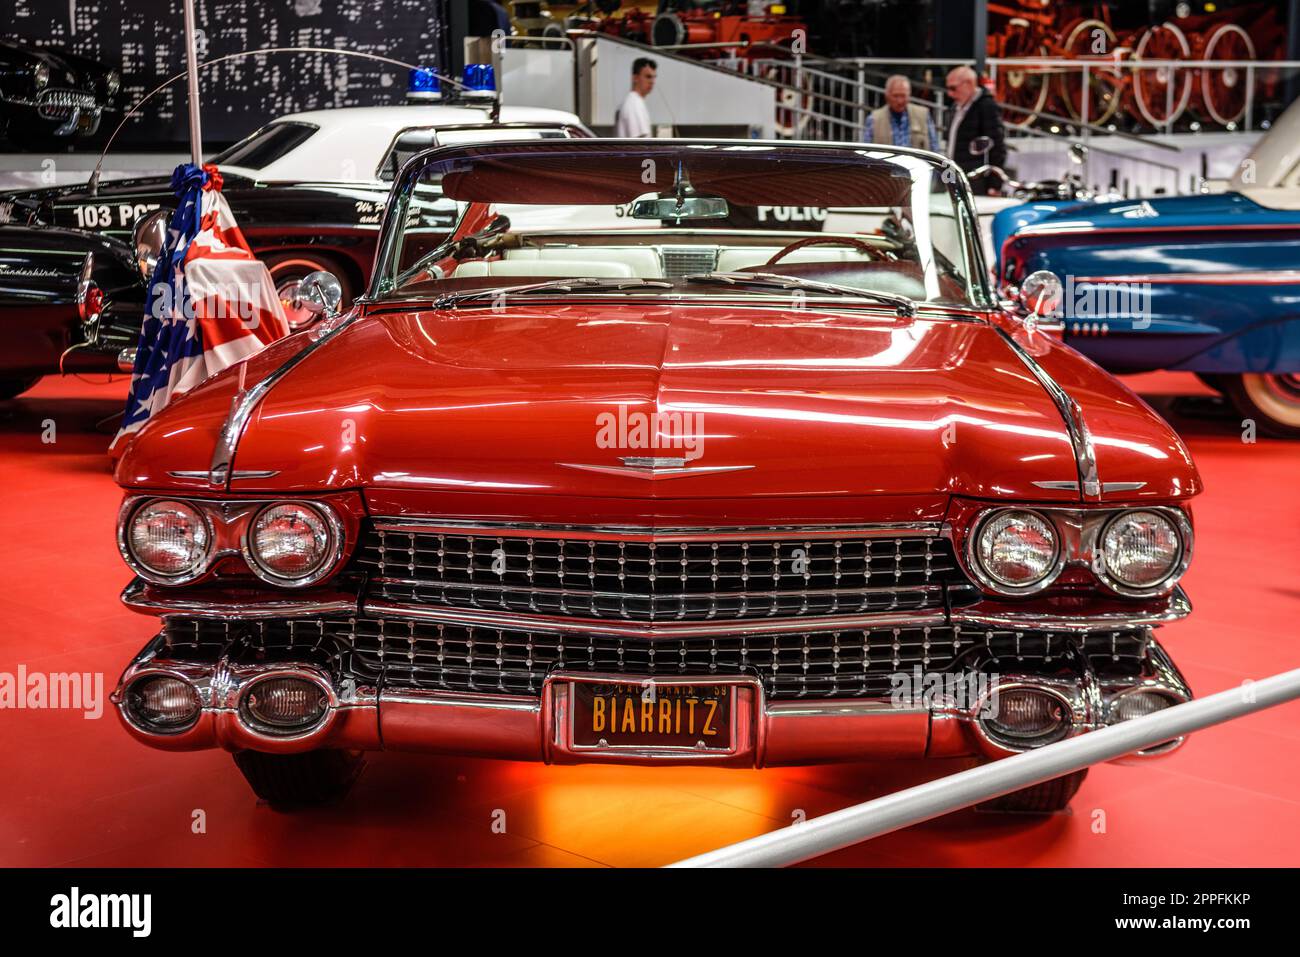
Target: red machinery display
703 28
726 26
1115 84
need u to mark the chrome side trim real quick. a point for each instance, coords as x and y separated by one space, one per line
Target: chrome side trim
479 590
1259 277
649 533
645 630
245 401
134 596
1177 608
1068 486
1085 453
235 476
657 472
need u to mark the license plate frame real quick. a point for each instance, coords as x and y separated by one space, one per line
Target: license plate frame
565 744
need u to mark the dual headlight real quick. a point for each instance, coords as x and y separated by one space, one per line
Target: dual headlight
1019 551
284 543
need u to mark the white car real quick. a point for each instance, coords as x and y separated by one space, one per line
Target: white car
308 189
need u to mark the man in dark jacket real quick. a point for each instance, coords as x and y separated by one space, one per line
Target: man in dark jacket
975 114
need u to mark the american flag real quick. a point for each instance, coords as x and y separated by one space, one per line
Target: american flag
210 303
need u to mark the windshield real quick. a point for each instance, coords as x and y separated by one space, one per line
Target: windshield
415 140
267 145
674 218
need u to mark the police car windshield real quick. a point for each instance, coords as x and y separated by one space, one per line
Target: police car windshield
864 218
267 145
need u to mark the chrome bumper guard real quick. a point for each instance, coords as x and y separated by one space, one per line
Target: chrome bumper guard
768 733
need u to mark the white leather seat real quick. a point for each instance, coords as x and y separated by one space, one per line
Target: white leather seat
544 269
742 257
643 262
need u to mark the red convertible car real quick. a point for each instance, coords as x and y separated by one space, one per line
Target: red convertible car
673 452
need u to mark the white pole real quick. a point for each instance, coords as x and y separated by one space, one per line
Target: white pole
192 68
852 825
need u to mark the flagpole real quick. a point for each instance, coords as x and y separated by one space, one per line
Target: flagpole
192 68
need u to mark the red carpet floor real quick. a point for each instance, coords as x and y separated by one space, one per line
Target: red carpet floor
79 791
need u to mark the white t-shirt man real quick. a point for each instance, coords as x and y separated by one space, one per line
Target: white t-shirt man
633 117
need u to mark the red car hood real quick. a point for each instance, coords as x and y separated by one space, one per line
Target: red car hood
767 402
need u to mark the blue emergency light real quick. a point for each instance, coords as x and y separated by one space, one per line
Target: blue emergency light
423 84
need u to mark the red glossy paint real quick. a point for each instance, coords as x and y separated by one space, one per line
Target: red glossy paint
81 792
435 412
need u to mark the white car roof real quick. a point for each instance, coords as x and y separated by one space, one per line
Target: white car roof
350 142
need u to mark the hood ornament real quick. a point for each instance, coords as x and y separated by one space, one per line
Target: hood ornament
654 467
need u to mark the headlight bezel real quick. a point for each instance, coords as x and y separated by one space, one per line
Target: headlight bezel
992 582
1080 532
132 511
1182 529
333 547
229 523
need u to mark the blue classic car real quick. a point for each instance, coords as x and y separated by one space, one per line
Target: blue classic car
1208 284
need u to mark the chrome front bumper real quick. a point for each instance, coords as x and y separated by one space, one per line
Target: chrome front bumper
766 733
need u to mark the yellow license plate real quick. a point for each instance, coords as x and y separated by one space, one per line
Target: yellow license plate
651 715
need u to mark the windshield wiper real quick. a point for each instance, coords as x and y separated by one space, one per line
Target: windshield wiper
769 280
453 299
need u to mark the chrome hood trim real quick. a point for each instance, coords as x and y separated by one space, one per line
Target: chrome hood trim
1085 452
246 401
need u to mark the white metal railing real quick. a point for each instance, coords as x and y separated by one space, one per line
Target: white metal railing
853 825
832 99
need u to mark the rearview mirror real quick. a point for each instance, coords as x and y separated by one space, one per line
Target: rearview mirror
319 292
679 208
148 237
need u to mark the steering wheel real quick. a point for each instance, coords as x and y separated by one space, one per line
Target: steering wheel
860 244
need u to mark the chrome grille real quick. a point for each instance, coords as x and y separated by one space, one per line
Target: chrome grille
408 653
679 261
58 103
662 580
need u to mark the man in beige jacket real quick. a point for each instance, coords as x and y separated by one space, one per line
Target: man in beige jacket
901 122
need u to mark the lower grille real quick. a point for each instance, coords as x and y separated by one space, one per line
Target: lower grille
410 654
